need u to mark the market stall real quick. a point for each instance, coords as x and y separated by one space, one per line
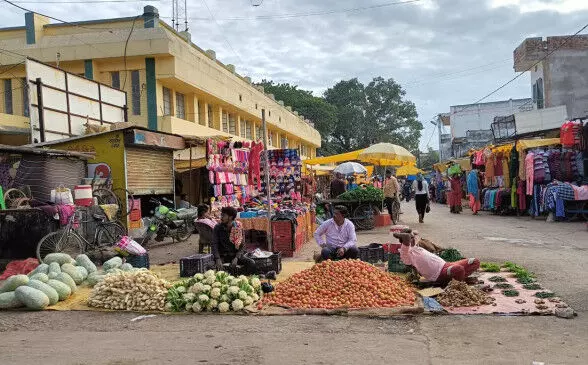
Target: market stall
133 160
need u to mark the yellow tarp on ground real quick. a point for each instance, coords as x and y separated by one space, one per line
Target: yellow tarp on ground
525 144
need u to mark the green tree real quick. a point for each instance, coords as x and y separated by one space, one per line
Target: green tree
316 109
427 159
370 114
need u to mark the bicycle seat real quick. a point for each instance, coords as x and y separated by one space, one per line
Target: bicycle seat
100 217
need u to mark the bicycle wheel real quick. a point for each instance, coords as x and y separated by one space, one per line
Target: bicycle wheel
59 241
364 216
109 234
183 233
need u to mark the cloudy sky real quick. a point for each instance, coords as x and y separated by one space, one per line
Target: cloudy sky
443 52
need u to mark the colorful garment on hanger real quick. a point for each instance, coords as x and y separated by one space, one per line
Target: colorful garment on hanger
529 171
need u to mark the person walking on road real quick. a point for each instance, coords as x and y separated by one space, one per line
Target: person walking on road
473 185
421 195
391 191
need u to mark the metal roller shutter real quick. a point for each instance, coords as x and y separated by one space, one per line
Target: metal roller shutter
149 171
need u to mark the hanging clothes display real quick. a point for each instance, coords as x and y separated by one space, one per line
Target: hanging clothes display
529 170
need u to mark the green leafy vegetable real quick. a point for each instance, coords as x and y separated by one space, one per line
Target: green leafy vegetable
490 266
368 194
544 294
532 286
510 293
497 279
503 286
451 255
525 280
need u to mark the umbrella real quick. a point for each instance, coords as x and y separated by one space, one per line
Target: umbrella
350 168
386 154
407 170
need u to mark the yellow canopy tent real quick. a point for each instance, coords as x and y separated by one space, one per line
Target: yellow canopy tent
343 157
525 144
408 170
386 154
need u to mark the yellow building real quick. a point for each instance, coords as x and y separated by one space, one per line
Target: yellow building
172 85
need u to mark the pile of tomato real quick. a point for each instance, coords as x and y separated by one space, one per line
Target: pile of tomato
342 284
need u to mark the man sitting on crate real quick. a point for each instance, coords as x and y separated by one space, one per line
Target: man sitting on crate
228 245
336 237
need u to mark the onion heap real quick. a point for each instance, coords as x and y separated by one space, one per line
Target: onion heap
460 294
342 284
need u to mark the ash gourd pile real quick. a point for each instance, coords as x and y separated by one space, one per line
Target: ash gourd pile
56 279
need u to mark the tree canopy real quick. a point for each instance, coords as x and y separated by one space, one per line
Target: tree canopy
352 115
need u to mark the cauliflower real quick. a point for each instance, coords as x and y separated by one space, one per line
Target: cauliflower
222 276
242 295
215 293
255 297
216 284
189 297
181 289
255 283
211 305
169 307
248 301
233 290
237 305
235 282
229 278
224 298
223 307
209 280
197 307
209 273
247 288
197 288
199 277
243 279
206 288
189 307
203 298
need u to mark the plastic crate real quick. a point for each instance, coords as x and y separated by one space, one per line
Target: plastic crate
265 264
282 230
138 261
396 265
371 253
300 240
282 246
195 264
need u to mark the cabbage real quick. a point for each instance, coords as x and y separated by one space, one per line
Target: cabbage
199 277
223 307
242 295
215 293
255 283
197 307
237 305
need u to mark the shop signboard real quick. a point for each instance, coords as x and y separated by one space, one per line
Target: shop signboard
64 105
154 139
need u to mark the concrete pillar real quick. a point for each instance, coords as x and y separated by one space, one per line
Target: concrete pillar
203 113
217 115
238 125
151 93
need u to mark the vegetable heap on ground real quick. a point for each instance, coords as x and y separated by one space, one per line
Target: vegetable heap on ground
342 284
139 290
367 194
459 294
213 291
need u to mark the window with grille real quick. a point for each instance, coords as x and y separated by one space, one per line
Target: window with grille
8 96
180 106
284 142
243 128
225 125
115 79
232 124
210 120
270 138
25 97
136 92
248 134
167 100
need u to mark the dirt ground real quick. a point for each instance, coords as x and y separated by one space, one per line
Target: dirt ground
555 252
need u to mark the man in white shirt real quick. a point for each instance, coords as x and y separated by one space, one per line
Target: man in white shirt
336 237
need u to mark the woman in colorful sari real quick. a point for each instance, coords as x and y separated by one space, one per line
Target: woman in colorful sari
455 194
473 185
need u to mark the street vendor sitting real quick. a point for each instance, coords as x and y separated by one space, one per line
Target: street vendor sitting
336 237
432 267
228 245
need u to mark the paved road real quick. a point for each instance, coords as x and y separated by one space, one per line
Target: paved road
556 252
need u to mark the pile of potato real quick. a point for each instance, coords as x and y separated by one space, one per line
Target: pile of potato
460 294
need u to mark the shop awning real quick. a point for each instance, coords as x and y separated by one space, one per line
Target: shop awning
408 170
348 156
184 165
525 144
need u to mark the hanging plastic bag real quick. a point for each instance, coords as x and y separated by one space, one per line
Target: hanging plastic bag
62 196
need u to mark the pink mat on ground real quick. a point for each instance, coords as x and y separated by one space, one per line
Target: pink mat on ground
507 305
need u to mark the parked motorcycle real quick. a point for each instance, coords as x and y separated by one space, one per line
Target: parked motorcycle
167 222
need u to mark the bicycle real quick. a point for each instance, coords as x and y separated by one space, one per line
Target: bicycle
395 210
68 240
